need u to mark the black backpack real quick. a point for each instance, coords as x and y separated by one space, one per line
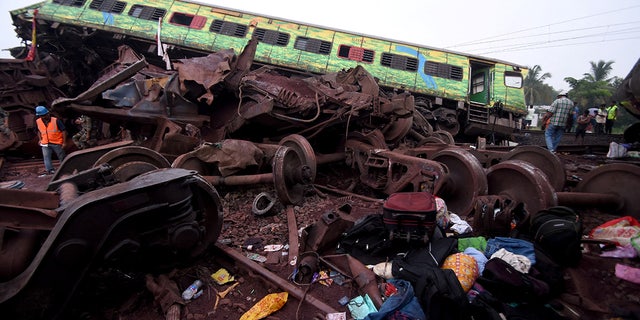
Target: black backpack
558 232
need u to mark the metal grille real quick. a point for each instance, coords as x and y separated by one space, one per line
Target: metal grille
146 13
272 37
399 62
108 5
229 28
313 45
443 70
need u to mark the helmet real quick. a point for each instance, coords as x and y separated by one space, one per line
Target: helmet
41 111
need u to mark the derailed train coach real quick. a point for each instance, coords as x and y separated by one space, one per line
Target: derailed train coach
463 94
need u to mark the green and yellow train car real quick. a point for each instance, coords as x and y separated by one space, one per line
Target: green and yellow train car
463 93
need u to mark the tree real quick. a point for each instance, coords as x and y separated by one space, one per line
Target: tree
594 88
534 86
599 71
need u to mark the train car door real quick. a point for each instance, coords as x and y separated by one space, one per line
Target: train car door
481 83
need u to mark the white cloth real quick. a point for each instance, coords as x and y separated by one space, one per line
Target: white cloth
460 226
383 270
517 261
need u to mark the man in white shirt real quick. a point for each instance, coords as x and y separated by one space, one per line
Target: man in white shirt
601 119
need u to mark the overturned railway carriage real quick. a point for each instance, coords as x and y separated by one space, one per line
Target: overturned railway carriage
459 93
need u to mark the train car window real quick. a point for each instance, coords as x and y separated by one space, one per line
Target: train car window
443 70
71 3
313 45
188 20
399 62
108 6
229 28
356 53
272 37
146 12
513 79
477 83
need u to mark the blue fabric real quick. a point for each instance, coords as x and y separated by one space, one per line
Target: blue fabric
479 256
552 136
513 245
402 305
361 306
47 152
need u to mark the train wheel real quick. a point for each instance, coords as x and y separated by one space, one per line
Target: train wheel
522 182
445 136
129 162
450 124
190 162
621 179
544 160
290 175
465 181
300 145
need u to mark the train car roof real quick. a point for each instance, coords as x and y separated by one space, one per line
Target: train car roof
472 56
477 57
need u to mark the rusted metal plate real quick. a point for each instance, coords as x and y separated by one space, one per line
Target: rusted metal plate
30 198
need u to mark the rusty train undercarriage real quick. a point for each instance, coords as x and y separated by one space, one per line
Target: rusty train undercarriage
150 201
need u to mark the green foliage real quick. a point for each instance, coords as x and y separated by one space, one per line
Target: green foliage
535 91
594 88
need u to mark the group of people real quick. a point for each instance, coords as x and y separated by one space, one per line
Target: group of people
563 114
52 136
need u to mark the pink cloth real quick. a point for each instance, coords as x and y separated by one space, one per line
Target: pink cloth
630 274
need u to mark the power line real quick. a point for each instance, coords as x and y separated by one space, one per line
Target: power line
543 26
551 33
521 45
533 47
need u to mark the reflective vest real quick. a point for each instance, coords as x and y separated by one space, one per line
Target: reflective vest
611 112
50 133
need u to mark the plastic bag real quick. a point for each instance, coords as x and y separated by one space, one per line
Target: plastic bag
616 150
620 230
266 306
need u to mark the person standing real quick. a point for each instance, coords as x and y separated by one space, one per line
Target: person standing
53 137
601 119
612 116
583 121
529 118
81 139
560 110
571 121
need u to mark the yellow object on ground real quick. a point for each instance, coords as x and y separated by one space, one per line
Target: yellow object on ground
268 305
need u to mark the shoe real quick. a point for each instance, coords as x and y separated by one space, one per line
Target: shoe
46 173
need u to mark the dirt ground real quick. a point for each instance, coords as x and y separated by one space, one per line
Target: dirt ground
593 291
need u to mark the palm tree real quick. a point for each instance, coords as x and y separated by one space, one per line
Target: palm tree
599 71
533 86
594 87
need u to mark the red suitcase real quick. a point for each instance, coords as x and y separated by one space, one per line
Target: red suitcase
410 216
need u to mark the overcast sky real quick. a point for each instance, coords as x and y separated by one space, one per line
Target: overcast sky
562 36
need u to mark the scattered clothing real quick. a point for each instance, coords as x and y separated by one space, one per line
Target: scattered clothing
519 262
